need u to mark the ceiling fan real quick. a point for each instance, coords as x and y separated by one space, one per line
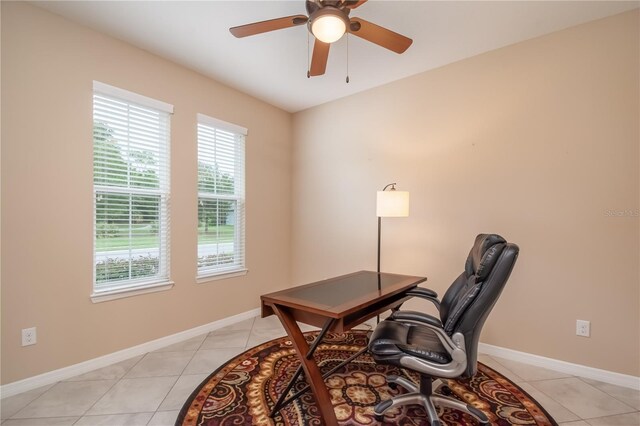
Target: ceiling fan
328 21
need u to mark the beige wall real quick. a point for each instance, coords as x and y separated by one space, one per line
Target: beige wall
535 141
48 65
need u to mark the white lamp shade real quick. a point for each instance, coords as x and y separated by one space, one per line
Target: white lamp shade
328 28
392 204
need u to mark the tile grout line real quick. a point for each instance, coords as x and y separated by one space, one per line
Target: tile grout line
116 382
531 382
48 387
595 388
506 368
612 396
107 391
31 402
179 376
548 396
606 417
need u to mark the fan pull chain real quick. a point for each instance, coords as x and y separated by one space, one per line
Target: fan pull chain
308 60
347 79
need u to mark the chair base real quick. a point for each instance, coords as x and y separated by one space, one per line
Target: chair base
425 397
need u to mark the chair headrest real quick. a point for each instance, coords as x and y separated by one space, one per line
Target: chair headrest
483 255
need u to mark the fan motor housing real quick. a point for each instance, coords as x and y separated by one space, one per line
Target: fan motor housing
314 5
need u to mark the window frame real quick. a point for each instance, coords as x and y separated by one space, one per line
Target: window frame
109 290
211 273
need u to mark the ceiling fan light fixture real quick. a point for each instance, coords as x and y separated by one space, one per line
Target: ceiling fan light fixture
328 21
328 24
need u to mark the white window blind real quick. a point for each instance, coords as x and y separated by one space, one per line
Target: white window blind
131 190
221 198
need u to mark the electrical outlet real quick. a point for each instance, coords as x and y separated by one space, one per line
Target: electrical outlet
29 336
583 328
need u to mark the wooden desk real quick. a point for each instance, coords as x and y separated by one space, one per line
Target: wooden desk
337 304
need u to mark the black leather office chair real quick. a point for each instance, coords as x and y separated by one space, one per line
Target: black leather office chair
445 347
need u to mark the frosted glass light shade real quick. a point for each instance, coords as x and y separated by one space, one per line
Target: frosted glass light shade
392 204
328 28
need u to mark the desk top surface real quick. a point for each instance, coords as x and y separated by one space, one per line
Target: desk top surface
339 296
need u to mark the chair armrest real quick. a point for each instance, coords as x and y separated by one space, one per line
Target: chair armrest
422 293
453 344
413 316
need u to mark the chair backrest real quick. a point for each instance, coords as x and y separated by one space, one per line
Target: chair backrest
467 303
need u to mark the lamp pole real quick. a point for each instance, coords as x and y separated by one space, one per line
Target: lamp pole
379 233
393 188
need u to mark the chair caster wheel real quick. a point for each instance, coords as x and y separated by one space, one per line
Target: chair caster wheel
479 415
381 408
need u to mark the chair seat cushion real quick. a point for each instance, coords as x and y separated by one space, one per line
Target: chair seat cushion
392 340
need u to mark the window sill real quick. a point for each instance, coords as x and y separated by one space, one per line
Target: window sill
105 296
215 276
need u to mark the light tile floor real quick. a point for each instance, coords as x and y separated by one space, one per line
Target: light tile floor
150 389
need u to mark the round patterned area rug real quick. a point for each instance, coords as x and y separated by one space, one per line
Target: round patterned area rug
242 391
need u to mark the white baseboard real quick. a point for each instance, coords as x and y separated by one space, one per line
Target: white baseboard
611 377
54 376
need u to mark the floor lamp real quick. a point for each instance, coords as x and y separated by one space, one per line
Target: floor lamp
390 203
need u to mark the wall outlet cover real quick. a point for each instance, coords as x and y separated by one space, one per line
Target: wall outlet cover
583 328
29 336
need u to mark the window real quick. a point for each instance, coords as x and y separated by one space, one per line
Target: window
131 191
220 197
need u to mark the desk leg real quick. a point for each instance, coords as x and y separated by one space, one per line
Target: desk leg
311 369
283 401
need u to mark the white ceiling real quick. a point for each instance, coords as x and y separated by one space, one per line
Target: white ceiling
273 66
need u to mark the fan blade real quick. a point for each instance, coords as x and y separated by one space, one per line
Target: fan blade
352 4
379 35
319 58
270 25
